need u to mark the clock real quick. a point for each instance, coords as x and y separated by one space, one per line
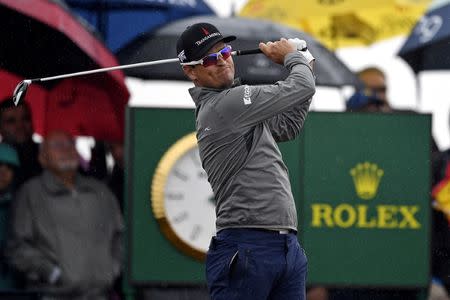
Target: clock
182 199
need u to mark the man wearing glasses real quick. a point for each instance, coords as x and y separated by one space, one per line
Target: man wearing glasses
255 253
16 129
66 229
373 98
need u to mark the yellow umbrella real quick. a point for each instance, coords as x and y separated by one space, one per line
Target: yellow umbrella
342 23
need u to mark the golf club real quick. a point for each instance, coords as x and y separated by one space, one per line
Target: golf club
21 89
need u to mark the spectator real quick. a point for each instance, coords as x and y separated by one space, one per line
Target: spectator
316 293
98 169
17 130
116 179
9 162
66 228
441 224
373 98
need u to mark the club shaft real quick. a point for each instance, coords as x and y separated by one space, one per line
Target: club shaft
142 64
136 65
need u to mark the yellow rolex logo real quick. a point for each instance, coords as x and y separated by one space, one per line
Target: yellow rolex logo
366 178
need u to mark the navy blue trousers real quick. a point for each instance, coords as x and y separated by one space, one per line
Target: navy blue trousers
255 264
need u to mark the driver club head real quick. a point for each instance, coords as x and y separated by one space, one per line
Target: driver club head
20 91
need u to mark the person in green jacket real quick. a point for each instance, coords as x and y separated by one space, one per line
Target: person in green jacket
9 164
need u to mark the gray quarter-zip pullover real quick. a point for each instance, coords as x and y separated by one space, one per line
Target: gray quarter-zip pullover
237 132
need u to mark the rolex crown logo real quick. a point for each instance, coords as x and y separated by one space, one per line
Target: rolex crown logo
366 177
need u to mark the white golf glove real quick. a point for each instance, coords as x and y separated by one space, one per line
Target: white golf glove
302 48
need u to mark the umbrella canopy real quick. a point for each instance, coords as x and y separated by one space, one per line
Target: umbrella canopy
140 16
341 23
428 46
252 69
41 38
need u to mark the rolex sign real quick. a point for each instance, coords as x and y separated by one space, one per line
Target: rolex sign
363 199
366 179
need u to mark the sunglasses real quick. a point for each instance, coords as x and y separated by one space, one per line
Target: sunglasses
377 89
211 59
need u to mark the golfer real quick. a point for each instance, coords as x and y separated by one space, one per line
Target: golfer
255 253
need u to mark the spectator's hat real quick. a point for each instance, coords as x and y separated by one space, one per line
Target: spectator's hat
8 155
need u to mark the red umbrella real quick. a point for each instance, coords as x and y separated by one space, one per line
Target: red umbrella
42 38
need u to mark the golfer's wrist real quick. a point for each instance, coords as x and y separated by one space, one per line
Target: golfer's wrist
294 58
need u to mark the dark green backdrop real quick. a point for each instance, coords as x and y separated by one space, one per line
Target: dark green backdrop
331 145
319 163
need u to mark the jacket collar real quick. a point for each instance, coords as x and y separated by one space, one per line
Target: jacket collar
55 186
199 94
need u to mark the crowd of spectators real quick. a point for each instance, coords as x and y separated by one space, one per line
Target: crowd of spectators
61 228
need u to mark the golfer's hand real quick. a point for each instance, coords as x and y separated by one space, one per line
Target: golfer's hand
303 50
276 51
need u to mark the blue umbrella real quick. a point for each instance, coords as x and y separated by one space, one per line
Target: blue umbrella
120 21
428 46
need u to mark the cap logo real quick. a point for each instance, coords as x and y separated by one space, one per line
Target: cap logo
201 41
206 32
182 56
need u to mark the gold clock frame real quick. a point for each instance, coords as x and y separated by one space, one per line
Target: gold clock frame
159 180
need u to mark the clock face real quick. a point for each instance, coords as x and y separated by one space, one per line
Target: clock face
189 201
182 199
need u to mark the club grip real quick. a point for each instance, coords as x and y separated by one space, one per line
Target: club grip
255 51
246 52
